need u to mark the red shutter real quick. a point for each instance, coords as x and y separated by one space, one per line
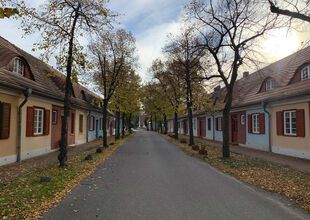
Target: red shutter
5 114
250 126
280 124
300 122
30 122
262 123
46 129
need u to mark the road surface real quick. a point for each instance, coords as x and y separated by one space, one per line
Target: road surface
149 178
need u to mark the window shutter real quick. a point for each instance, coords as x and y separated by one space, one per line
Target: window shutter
46 130
30 122
262 123
5 114
250 126
280 124
300 122
93 123
222 123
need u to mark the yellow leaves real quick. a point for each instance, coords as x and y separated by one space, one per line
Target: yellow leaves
103 12
7 12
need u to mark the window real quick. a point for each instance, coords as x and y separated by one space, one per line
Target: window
290 122
81 122
219 123
209 124
101 124
305 73
194 123
91 123
54 117
242 119
38 121
255 123
83 96
18 66
269 84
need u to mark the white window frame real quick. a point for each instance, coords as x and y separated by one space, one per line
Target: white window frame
306 75
18 66
38 121
255 123
194 123
290 126
54 113
269 84
242 119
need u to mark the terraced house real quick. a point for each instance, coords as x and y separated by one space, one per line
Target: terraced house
31 107
271 109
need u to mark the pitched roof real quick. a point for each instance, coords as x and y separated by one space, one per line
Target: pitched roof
47 82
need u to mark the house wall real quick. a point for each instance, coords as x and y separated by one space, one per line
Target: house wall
92 134
209 134
257 141
38 145
80 137
8 146
293 146
218 135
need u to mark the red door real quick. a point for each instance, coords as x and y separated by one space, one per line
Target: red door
56 126
234 129
202 127
185 126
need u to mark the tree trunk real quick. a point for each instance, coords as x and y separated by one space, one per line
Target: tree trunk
155 123
165 124
62 157
152 123
175 126
189 105
123 124
129 123
190 124
226 113
104 124
117 125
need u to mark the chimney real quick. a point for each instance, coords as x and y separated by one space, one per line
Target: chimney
246 74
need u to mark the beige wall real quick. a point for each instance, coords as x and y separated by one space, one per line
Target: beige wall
8 146
80 137
294 146
33 146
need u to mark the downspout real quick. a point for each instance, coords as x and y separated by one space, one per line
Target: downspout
27 93
265 103
87 124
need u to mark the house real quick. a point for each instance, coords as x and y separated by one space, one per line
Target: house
270 110
31 107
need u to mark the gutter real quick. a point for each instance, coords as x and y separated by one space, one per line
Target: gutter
27 93
87 123
264 104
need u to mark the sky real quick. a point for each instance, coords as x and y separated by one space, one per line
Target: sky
150 21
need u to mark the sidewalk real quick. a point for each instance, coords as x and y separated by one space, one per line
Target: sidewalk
10 171
295 163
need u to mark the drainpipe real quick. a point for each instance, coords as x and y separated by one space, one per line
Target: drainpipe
87 123
27 93
265 103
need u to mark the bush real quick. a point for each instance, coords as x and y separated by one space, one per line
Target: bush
195 148
203 151
183 141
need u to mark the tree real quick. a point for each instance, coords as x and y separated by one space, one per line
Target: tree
126 100
186 57
8 9
229 30
62 24
156 105
300 9
113 55
171 85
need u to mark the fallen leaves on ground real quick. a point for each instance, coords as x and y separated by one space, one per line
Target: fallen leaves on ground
25 197
284 180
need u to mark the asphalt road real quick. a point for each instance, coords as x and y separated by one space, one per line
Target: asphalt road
149 178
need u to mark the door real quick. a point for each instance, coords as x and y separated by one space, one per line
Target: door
234 129
56 126
97 129
111 128
202 127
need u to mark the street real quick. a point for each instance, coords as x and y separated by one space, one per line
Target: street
149 178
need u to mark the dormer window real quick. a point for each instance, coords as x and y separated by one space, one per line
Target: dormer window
83 96
305 73
18 66
269 84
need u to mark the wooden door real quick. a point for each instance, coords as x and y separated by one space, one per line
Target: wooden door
234 129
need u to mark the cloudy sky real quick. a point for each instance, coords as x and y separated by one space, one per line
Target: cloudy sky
151 21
